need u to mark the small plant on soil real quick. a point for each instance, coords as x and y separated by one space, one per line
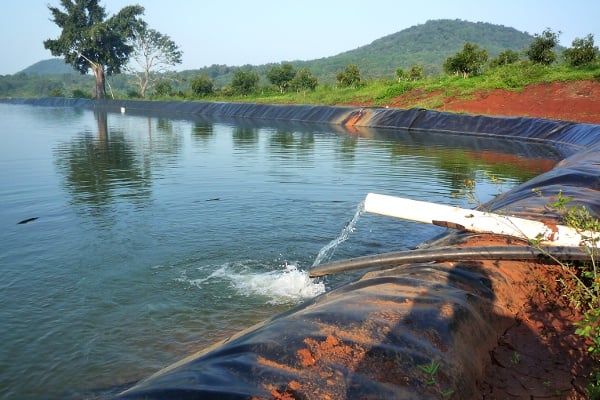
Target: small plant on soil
586 276
431 370
516 358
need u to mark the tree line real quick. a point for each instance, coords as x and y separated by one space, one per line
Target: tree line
472 60
124 43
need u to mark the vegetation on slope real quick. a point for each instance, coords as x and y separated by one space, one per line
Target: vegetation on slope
53 66
498 58
427 45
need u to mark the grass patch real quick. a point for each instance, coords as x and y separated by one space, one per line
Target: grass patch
512 77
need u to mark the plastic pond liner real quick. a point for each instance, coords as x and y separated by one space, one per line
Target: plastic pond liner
411 330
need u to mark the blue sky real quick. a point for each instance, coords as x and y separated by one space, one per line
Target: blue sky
255 32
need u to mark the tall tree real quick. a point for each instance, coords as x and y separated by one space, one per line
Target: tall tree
541 50
152 52
89 40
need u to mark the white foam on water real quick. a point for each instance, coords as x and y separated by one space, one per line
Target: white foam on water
283 286
287 284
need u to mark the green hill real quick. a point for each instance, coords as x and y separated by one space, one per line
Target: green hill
53 66
428 44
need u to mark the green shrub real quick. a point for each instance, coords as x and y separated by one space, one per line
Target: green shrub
163 88
80 94
202 85
133 94
56 92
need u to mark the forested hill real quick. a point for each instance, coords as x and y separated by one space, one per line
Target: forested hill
428 45
52 66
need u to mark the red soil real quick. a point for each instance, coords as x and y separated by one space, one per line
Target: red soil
570 101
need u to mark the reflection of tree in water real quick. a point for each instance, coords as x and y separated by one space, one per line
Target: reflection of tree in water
457 159
450 165
100 169
202 131
457 175
245 137
283 142
165 145
347 148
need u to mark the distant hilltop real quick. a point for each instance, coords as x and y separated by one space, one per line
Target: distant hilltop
428 45
53 66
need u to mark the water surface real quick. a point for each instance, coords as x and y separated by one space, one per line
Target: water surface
155 237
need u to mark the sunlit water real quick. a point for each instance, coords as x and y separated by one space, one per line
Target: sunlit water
157 237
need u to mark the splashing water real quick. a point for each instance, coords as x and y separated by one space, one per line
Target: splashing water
287 285
327 252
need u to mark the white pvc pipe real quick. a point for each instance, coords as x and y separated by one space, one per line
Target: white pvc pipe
473 220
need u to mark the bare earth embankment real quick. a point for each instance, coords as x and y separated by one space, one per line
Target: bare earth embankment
570 101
